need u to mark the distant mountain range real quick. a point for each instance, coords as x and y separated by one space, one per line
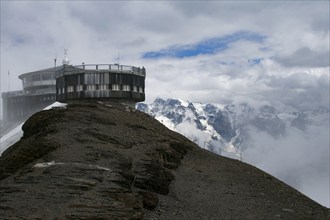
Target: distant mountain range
228 129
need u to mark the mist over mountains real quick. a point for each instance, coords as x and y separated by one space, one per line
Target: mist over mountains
293 146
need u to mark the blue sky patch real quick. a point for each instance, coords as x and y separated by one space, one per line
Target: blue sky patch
209 46
255 61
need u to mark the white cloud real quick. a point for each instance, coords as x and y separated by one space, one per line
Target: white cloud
301 158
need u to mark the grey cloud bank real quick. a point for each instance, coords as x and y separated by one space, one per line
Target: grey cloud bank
300 158
305 57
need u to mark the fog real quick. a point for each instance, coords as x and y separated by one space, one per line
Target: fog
300 158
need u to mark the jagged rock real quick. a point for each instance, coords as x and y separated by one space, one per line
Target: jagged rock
92 161
150 200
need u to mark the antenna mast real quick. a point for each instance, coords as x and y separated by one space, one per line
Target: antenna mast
55 60
8 81
65 60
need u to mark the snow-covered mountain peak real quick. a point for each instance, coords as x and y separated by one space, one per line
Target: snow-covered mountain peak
216 127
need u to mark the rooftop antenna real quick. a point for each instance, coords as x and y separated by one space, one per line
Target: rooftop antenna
55 60
8 80
118 59
65 60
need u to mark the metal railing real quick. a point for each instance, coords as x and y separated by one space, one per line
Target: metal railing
29 93
13 93
230 154
140 71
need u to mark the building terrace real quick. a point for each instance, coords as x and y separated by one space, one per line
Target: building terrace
105 82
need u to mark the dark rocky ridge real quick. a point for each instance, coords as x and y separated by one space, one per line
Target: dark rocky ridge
96 161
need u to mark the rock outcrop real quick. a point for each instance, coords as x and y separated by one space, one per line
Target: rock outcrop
105 161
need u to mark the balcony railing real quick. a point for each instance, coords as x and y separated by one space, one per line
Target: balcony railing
13 93
140 71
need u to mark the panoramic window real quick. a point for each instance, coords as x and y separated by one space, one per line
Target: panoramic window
126 88
103 87
79 88
91 87
36 78
47 76
115 87
70 89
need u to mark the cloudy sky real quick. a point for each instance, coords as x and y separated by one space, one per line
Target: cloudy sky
256 52
261 52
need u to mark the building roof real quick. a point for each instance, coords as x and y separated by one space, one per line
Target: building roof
52 69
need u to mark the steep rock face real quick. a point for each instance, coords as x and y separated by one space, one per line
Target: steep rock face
105 161
88 161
